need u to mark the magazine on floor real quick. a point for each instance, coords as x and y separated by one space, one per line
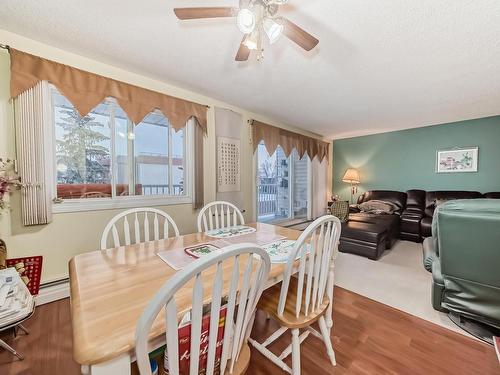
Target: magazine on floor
184 336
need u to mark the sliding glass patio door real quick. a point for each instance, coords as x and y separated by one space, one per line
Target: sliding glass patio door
283 186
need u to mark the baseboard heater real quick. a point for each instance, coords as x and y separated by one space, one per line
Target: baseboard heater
52 291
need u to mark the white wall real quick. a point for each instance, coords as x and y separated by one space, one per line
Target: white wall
73 233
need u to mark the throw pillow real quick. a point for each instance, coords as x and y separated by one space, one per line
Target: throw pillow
379 207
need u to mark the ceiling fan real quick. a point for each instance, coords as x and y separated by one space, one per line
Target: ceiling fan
254 18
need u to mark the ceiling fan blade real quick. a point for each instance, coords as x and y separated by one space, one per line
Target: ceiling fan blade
205 12
243 52
299 35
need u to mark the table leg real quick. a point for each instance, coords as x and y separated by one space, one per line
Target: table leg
120 365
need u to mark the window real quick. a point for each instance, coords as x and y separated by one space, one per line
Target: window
283 185
105 159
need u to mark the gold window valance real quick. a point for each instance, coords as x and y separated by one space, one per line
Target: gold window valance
274 137
86 90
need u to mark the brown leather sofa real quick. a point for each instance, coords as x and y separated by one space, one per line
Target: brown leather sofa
370 234
492 195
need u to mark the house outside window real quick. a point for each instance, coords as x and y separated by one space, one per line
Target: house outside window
283 186
103 160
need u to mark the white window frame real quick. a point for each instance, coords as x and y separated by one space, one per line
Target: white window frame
117 202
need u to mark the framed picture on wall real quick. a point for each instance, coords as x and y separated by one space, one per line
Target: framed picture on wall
457 160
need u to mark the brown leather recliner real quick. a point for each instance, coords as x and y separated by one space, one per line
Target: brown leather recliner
413 215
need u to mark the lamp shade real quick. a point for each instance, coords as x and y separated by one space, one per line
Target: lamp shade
351 176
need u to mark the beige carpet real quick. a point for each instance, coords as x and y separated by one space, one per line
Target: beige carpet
397 279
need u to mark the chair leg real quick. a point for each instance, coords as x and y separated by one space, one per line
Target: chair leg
270 355
288 349
24 329
4 345
329 311
326 338
295 352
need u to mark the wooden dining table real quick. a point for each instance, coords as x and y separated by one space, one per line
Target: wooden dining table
110 289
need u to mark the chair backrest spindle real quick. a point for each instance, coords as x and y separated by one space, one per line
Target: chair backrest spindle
317 248
244 291
126 234
223 215
137 229
126 231
146 227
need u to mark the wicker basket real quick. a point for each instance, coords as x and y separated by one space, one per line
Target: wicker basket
340 209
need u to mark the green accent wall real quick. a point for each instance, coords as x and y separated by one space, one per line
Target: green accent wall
406 159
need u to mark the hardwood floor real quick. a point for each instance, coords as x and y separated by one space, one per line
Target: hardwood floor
369 338
49 346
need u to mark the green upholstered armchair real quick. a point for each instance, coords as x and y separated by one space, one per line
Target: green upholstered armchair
464 257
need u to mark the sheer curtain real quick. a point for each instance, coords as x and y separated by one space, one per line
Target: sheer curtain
319 176
33 143
199 186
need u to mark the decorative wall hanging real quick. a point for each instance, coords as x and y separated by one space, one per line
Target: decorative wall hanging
228 164
229 128
457 160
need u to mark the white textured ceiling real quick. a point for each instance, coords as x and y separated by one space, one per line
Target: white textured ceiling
380 64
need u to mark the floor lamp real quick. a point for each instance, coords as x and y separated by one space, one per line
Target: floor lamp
351 176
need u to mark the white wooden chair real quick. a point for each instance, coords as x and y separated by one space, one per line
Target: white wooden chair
214 283
219 214
306 297
135 221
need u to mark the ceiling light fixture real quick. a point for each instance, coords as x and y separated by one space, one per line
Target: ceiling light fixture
254 18
273 28
245 20
252 40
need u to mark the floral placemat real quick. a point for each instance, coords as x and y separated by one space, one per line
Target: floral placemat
235 231
279 251
180 257
200 250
